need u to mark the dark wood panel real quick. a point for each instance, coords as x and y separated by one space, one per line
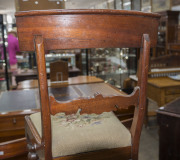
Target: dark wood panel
169 131
71 31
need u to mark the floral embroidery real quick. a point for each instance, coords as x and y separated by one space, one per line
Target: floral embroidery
79 120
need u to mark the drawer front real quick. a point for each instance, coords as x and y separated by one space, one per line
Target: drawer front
11 123
170 98
173 90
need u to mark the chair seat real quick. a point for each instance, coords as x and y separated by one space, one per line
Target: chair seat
77 133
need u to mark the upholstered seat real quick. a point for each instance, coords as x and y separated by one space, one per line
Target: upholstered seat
77 133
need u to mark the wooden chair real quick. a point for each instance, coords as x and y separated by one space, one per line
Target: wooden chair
71 29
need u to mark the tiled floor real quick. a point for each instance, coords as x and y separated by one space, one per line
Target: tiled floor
149 142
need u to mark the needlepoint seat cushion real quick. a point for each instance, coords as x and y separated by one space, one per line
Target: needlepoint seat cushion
77 133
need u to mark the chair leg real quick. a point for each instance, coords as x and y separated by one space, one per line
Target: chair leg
146 118
32 156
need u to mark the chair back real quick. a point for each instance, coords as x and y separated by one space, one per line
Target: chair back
70 29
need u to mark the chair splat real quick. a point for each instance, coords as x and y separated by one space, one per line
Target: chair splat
96 104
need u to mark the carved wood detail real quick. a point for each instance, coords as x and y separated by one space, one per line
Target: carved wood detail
89 105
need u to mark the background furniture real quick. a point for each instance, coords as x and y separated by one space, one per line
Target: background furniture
59 71
167 32
125 35
161 89
112 64
165 62
169 130
14 105
32 74
27 84
14 149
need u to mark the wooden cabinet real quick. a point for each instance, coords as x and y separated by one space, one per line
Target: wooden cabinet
167 32
11 127
161 89
169 131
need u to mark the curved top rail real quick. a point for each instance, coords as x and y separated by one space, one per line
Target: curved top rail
85 11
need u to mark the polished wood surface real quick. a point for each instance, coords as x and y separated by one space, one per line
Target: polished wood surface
162 82
71 29
13 149
71 81
161 89
80 33
169 130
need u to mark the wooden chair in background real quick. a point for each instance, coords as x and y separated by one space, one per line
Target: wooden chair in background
59 71
104 137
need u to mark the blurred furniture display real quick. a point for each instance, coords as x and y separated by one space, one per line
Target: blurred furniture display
33 74
174 48
165 62
161 89
169 130
167 33
163 82
83 29
112 64
62 55
163 66
59 71
28 84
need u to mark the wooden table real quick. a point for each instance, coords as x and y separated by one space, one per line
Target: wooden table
27 84
169 131
161 89
14 105
32 74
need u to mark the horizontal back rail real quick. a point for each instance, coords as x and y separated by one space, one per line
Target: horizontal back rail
84 30
97 104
